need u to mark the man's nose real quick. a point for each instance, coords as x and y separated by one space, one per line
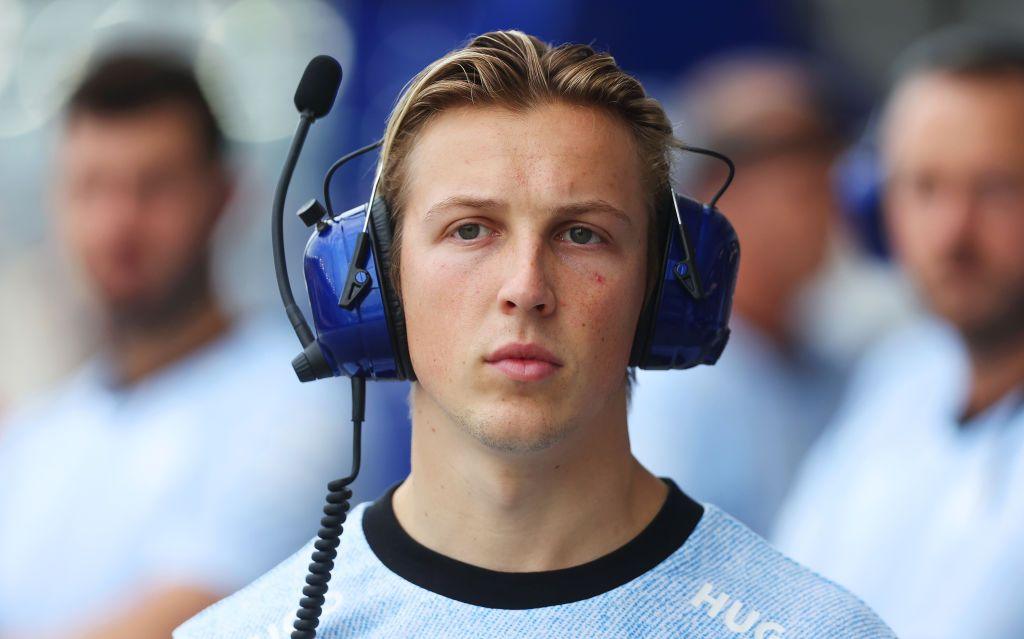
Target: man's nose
953 219
527 287
114 211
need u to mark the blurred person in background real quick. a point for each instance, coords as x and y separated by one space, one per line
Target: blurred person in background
915 497
735 432
184 459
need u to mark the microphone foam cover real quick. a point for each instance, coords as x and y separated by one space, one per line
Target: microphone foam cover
318 86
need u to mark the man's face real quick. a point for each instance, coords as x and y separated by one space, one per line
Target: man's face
781 202
954 154
138 197
782 208
522 268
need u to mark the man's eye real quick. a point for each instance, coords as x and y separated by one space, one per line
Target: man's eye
472 231
582 235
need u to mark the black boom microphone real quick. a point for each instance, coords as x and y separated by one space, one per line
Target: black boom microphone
314 98
318 86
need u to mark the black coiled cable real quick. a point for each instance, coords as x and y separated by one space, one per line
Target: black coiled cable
307 618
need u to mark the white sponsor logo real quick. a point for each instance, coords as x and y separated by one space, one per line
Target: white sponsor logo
736 619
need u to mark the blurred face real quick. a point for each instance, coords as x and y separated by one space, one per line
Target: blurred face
522 269
954 152
782 207
138 197
781 202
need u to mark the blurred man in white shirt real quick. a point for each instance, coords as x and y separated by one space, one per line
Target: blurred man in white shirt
915 499
184 459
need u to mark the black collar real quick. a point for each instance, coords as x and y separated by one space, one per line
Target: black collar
470 584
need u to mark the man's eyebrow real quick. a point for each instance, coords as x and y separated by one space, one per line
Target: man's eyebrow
467 201
566 210
593 206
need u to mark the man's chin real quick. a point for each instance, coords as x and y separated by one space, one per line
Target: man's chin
138 312
982 326
513 433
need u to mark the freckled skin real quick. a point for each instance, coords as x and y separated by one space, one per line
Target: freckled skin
523 280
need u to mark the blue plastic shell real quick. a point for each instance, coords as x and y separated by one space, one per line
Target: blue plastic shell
687 331
354 342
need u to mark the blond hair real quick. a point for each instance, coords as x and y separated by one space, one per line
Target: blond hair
518 71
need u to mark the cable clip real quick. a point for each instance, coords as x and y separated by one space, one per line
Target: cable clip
358 282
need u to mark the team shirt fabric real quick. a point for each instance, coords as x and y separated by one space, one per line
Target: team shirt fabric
918 513
694 572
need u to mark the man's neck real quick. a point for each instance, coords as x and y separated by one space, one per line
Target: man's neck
524 512
994 373
137 352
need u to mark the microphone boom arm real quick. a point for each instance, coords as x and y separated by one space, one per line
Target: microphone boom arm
298 321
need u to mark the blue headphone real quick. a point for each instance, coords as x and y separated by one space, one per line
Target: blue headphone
858 181
360 324
358 316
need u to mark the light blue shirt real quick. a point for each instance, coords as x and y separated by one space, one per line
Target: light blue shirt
206 473
724 582
921 516
733 433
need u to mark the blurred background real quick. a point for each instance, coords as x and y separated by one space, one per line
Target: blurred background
788 88
249 54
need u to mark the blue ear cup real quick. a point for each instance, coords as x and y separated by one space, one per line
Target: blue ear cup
369 340
857 178
685 321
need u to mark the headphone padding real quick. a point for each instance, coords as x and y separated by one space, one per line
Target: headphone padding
381 235
642 337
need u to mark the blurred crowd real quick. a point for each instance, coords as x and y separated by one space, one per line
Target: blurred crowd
867 415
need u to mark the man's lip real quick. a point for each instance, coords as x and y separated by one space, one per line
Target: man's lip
523 351
525 370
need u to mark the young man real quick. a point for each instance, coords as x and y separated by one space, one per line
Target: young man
124 492
521 178
915 499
